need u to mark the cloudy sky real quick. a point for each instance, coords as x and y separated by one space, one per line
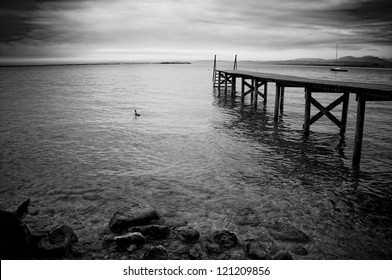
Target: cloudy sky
154 30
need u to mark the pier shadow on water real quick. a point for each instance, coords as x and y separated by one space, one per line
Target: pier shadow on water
308 181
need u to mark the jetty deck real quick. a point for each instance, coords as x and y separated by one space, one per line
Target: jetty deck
255 84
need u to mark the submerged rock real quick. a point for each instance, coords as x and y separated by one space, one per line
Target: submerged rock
63 235
126 240
155 253
225 238
260 250
247 216
287 232
136 214
57 244
301 251
283 256
152 231
187 234
196 252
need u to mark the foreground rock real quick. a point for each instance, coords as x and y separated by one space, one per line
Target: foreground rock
156 253
129 241
187 234
225 238
137 213
261 250
16 241
152 231
57 243
287 232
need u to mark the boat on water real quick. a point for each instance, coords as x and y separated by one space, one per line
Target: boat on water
337 69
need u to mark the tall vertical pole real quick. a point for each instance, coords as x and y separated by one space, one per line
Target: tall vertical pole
344 113
277 100
308 96
235 63
265 93
359 129
213 71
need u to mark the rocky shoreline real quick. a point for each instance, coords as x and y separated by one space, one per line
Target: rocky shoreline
138 232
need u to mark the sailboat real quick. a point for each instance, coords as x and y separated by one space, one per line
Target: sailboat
336 62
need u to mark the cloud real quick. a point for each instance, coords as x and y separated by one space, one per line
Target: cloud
123 29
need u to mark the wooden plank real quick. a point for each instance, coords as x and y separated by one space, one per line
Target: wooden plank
383 91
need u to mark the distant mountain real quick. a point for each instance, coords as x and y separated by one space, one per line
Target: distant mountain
365 61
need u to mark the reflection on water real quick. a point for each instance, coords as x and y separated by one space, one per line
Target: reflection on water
70 141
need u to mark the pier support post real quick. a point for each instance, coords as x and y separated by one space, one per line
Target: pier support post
308 96
277 101
265 94
242 89
233 85
252 92
343 123
225 83
281 98
256 92
359 130
219 81
213 72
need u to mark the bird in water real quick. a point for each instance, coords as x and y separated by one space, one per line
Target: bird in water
136 114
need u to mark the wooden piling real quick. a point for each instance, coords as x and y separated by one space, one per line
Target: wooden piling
252 92
277 101
308 96
256 92
343 122
281 99
233 85
213 71
242 89
226 83
364 91
359 129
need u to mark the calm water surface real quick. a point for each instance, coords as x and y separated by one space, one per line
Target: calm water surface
69 141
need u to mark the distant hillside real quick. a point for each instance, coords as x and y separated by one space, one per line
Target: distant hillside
365 61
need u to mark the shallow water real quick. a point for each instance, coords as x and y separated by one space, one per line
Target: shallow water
70 141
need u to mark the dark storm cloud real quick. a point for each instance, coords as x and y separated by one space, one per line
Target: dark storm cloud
54 28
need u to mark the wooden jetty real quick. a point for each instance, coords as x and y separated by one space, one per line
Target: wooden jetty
252 82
